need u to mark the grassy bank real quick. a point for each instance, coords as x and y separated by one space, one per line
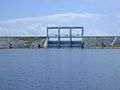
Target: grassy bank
34 42
21 42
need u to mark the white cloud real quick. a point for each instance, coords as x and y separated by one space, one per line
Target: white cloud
55 17
33 26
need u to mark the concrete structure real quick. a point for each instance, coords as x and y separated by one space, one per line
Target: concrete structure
64 35
112 44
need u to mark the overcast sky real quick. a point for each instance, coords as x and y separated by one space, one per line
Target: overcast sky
31 17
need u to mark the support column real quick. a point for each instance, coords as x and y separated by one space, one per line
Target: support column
58 37
47 37
70 37
82 37
82 33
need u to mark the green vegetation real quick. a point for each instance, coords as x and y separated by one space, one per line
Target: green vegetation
34 42
30 39
21 42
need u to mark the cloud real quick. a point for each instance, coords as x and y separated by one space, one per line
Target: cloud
55 17
36 26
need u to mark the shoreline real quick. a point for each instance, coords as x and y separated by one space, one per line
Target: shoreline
91 42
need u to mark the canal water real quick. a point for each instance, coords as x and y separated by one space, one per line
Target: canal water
60 69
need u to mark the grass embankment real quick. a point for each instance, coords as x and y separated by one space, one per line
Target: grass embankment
30 39
33 42
21 42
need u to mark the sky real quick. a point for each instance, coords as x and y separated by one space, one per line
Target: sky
32 17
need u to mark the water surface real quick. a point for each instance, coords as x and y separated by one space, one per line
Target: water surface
60 69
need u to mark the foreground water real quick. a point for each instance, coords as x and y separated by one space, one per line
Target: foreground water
60 69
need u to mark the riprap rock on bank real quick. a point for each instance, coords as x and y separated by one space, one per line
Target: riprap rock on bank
40 42
21 42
